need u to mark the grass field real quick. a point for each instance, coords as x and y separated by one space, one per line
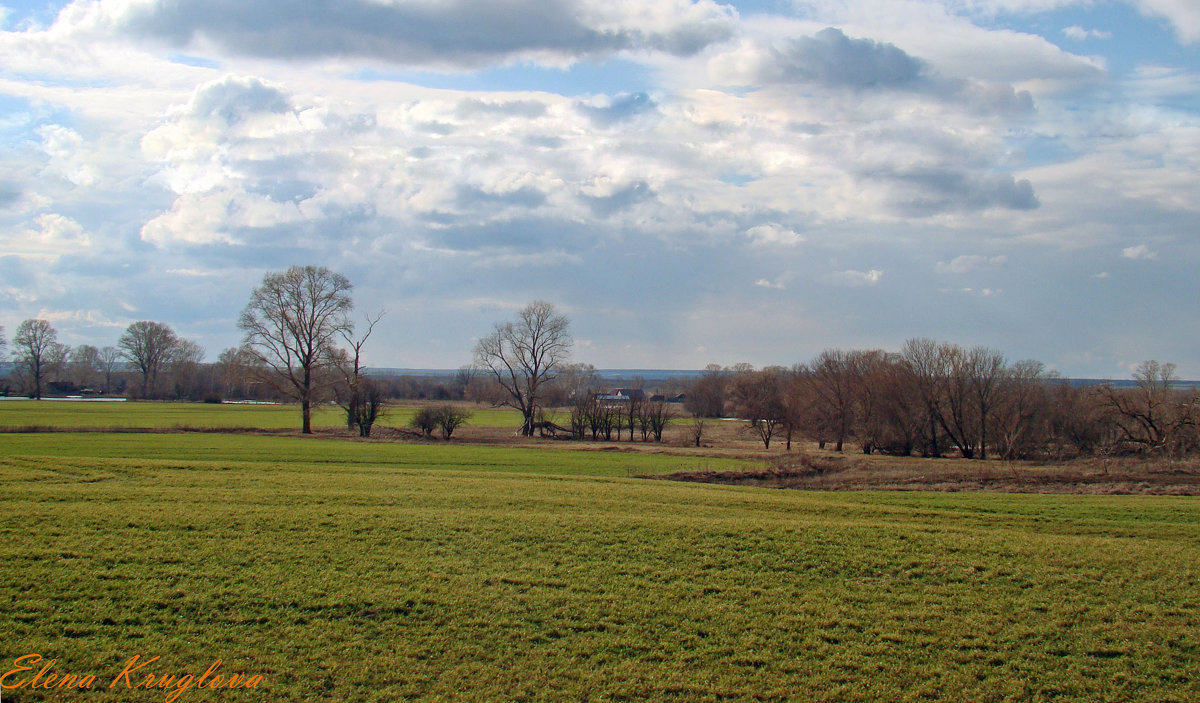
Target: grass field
354 571
28 413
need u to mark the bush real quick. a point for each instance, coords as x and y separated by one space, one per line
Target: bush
213 399
447 418
426 419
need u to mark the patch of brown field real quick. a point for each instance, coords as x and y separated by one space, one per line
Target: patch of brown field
803 471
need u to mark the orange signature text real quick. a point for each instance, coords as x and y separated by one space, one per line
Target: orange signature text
136 674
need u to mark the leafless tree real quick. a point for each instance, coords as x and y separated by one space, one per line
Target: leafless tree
357 395
655 415
183 367
1022 420
450 419
524 355
1153 415
84 364
757 398
696 429
705 396
834 389
149 346
291 325
235 370
987 371
111 359
37 353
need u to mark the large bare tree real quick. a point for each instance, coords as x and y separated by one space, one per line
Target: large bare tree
37 352
149 346
291 325
524 355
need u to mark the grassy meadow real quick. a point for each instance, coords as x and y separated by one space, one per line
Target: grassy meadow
371 571
16 414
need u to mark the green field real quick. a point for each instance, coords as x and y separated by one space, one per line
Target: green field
350 571
57 414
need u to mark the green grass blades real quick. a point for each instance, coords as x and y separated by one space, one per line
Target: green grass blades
309 453
145 415
462 576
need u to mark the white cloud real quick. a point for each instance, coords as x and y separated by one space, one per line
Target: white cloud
52 236
1184 15
853 279
455 33
765 283
1080 34
773 234
1139 252
970 262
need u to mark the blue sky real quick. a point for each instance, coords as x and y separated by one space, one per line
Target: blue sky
691 181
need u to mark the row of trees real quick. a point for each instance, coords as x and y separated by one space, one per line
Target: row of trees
151 350
934 398
930 398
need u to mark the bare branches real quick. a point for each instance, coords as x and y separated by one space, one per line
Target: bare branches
290 325
525 354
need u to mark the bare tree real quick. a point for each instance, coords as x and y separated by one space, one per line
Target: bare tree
833 388
758 398
84 362
111 359
357 395
656 414
524 355
705 395
235 370
450 419
37 352
184 369
291 324
1151 416
149 346
987 372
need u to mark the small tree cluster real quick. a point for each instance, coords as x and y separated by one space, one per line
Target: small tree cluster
446 418
600 417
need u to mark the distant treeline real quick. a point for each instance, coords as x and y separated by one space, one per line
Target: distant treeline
935 399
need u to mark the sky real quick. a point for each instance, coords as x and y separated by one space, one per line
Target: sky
691 182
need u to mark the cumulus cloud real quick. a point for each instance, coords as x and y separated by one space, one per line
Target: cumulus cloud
930 191
1140 252
458 33
1184 15
620 199
772 234
970 262
853 279
232 99
52 235
1080 34
63 145
831 59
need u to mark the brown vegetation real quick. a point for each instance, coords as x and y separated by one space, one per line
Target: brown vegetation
840 473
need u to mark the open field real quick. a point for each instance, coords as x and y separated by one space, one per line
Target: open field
358 571
90 415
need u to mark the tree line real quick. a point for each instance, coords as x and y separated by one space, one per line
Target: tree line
302 344
935 399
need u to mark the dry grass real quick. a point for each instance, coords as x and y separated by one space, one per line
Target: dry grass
827 472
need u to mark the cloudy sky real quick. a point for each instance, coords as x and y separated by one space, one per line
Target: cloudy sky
692 181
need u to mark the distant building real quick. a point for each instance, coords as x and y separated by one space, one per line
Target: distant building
622 395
